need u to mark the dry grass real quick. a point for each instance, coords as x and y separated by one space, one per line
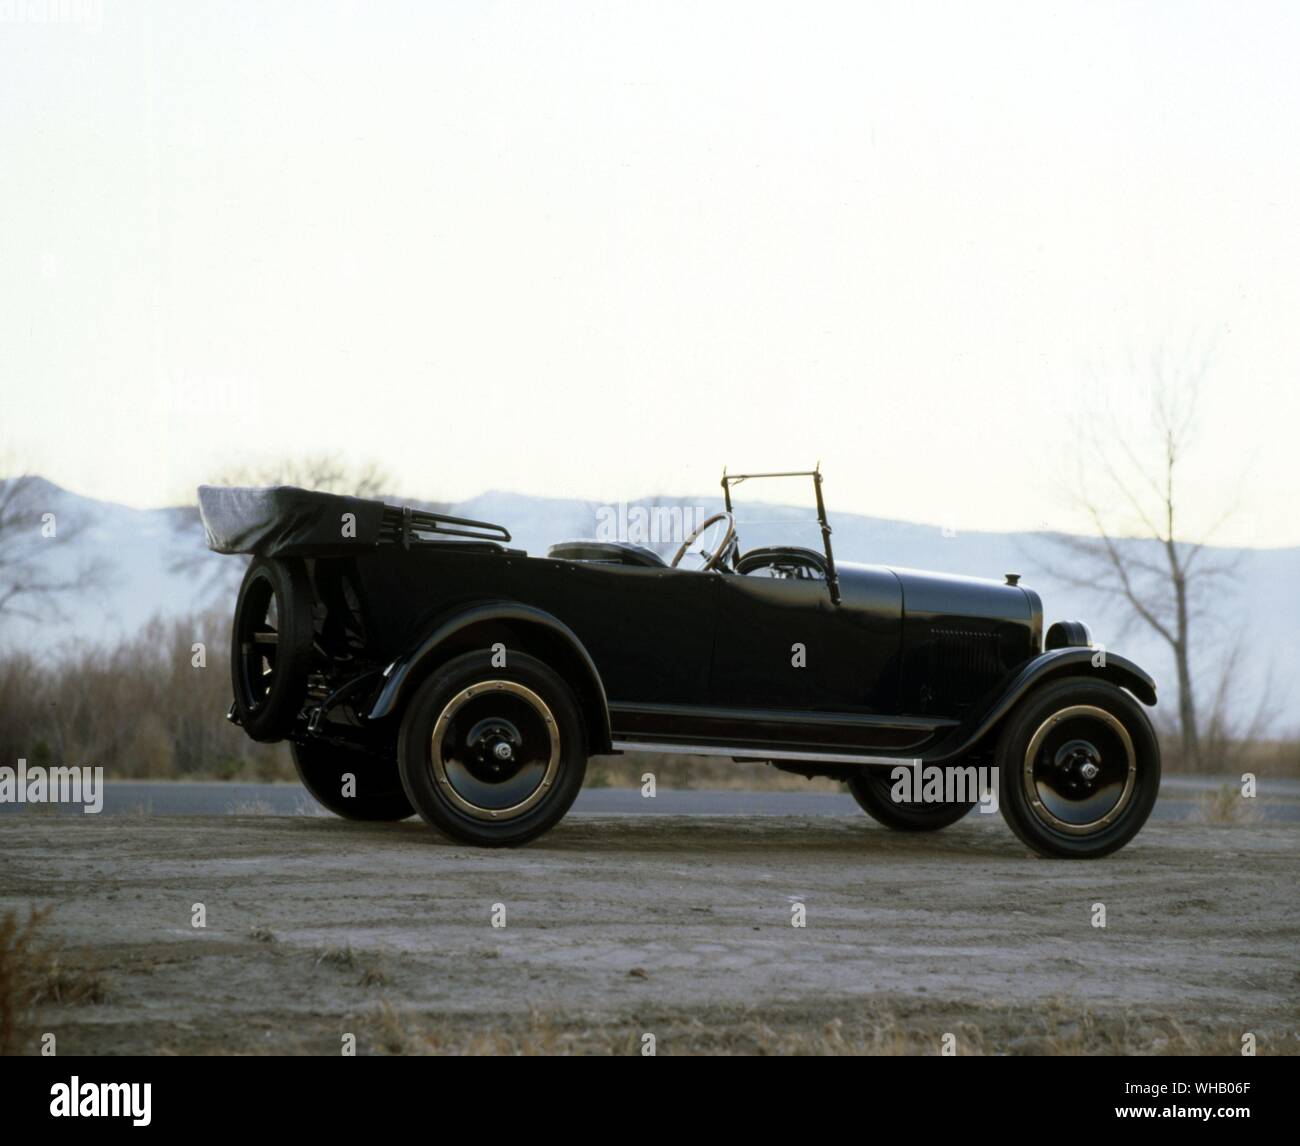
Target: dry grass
70 711
1056 1028
371 967
375 974
19 986
337 957
249 808
886 1038
34 973
1227 757
1226 805
76 982
393 1033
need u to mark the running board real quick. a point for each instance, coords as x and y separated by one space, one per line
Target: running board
754 752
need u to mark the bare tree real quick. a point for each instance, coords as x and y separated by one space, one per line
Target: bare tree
1236 724
1128 485
31 584
325 472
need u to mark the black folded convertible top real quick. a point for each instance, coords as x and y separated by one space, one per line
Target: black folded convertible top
285 521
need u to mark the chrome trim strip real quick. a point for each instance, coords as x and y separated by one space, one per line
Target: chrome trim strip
753 753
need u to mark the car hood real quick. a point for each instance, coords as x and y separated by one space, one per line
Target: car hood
970 596
939 597
950 595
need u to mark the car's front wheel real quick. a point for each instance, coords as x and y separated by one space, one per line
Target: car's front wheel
875 790
492 755
1079 769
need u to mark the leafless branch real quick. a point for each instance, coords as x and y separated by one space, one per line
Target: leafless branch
35 575
1172 595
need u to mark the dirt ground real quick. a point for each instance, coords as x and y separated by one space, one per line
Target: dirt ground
679 927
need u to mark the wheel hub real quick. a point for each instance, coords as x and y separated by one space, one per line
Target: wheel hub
495 745
1079 762
495 750
1080 770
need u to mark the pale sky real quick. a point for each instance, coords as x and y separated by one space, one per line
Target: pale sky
601 249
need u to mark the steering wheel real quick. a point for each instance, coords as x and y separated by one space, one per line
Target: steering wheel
713 557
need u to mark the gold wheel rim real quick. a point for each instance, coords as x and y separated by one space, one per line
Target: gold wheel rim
1031 788
439 768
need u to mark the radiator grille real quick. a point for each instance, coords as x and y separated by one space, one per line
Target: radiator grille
963 662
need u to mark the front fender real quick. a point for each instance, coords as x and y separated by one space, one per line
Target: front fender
1053 665
1086 661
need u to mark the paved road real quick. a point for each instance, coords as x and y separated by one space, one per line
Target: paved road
1279 800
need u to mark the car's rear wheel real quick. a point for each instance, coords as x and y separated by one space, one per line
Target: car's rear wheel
492 755
270 652
874 789
1079 769
351 782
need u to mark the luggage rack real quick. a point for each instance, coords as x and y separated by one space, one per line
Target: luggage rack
403 525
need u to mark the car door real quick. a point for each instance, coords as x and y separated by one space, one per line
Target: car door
783 645
649 630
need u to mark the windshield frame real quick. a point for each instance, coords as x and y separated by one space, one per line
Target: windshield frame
729 480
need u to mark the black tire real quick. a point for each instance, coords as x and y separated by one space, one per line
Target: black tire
472 708
1048 797
378 794
872 788
270 646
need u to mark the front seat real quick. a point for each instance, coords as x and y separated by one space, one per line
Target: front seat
606 553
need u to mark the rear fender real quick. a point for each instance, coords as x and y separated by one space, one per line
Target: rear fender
405 673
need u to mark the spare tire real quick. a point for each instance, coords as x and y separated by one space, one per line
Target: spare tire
270 646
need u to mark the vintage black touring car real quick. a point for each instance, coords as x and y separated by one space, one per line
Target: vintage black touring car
417 662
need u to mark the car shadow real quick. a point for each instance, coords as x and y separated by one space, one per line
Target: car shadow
703 836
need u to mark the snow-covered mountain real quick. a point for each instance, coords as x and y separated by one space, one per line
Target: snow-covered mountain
154 563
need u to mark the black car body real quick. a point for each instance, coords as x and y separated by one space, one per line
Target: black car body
367 635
